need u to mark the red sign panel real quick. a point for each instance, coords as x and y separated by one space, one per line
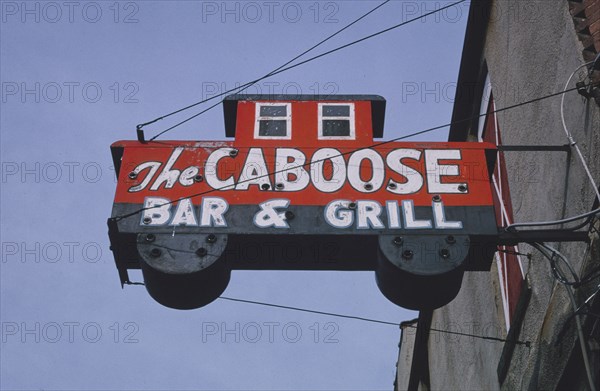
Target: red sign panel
391 186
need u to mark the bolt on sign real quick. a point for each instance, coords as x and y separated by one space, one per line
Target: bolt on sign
303 186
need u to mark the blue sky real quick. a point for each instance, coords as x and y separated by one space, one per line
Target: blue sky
77 76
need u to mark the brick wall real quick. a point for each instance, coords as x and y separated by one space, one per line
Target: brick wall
592 12
586 16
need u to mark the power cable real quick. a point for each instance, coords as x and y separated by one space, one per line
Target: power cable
592 213
561 278
582 340
573 144
586 302
283 68
517 342
251 83
309 311
556 271
120 217
589 277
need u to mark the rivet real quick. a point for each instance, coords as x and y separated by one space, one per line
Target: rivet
289 215
147 220
211 238
201 252
279 186
155 253
352 205
150 238
368 187
444 253
436 198
233 153
450 239
133 175
198 178
398 240
462 188
392 186
407 254
265 186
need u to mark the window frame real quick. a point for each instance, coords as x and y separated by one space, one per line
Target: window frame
287 118
351 118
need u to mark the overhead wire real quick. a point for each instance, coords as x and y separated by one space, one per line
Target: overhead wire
516 342
286 307
589 277
557 273
579 311
285 67
587 301
592 213
308 310
251 83
582 340
574 145
556 270
541 247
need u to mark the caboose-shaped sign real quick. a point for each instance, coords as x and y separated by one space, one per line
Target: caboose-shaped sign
303 186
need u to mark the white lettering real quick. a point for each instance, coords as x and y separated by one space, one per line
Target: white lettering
439 217
290 162
211 169
268 215
168 175
393 212
436 171
184 214
153 169
410 222
255 171
355 164
187 176
368 215
339 218
414 179
213 209
157 211
338 177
